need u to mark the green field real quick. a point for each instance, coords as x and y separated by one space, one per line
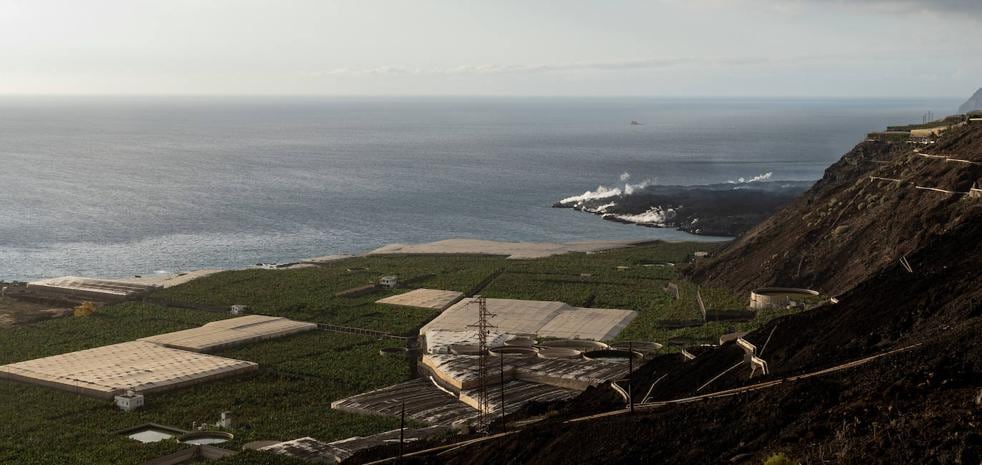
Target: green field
299 376
308 294
289 397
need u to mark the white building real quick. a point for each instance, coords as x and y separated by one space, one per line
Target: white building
129 401
389 282
226 422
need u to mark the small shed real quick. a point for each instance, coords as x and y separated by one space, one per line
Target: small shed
129 401
388 282
226 421
672 289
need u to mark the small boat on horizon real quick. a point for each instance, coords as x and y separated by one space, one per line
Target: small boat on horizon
635 123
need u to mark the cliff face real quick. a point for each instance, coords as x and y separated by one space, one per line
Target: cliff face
848 226
974 103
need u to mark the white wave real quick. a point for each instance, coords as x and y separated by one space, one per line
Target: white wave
654 216
625 176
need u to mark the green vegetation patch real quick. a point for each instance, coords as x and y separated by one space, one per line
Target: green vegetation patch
310 294
289 397
299 376
109 325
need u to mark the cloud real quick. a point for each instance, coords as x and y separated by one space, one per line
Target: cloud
946 7
610 66
491 69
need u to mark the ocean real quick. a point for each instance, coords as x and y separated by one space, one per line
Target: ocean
121 186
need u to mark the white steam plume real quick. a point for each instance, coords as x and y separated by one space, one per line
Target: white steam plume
759 177
630 188
602 192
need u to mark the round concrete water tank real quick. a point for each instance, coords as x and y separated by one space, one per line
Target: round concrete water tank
203 438
612 355
777 297
465 349
521 341
644 347
582 345
513 352
558 352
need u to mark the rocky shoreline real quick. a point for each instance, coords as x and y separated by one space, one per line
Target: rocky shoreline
727 209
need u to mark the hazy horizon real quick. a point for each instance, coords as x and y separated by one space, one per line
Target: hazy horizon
629 48
894 98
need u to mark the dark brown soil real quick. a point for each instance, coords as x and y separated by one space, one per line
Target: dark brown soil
916 407
15 311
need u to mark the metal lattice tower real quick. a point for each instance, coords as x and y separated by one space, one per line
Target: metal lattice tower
483 330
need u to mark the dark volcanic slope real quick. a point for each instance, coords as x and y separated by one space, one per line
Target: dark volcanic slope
919 406
847 227
893 308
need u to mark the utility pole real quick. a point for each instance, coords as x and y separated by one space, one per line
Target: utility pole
501 371
630 375
402 429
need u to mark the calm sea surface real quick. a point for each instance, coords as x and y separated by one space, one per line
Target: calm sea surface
123 186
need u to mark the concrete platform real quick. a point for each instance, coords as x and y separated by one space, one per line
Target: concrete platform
231 332
169 279
424 298
90 287
517 394
577 374
312 450
513 250
440 341
598 324
461 373
425 403
542 318
106 371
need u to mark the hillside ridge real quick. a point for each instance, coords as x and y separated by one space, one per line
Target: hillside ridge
973 103
870 209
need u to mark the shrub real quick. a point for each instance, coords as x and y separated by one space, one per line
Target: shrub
85 309
778 459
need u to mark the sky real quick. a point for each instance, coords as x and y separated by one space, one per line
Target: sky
667 48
